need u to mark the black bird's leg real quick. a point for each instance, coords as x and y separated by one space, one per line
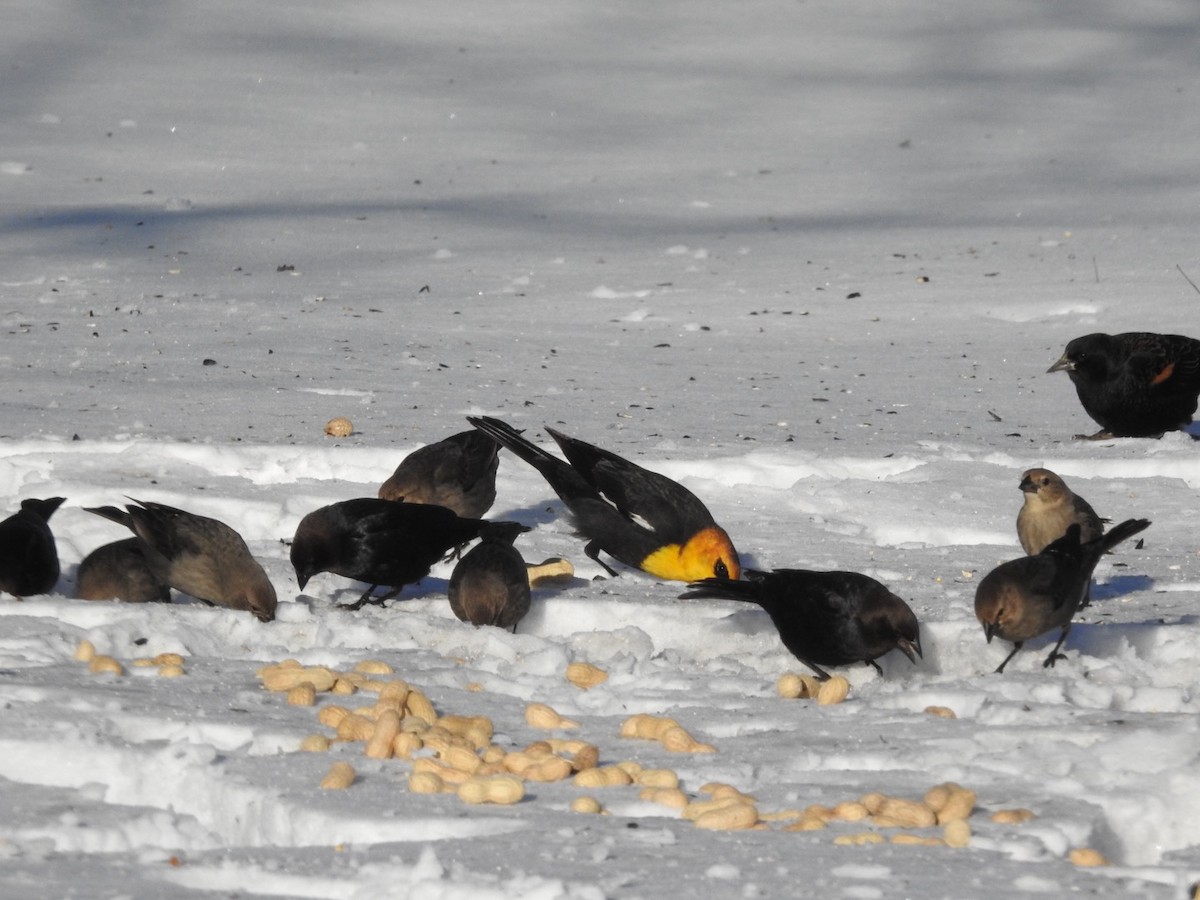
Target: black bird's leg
1054 654
1017 646
1102 435
594 552
822 675
874 665
367 598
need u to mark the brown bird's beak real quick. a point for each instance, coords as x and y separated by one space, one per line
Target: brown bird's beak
911 649
989 631
1063 365
1028 486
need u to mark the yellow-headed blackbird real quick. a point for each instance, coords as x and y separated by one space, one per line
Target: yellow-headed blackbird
381 542
120 571
458 473
826 618
638 517
1136 384
28 555
199 556
490 584
1023 598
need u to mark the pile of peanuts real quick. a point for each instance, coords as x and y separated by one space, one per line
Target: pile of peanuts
466 762
791 686
170 665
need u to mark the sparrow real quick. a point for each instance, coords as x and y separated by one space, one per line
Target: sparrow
490 584
382 542
1136 384
1023 598
1049 507
825 618
198 556
638 517
458 473
28 555
120 571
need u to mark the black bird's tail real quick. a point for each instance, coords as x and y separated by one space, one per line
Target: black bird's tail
567 483
1118 533
43 509
502 532
113 514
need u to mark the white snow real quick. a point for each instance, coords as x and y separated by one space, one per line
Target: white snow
810 260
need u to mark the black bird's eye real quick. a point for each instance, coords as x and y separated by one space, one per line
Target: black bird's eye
720 569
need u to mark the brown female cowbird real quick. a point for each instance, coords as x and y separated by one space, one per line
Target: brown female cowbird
825 618
120 571
490 584
1023 598
636 516
1136 384
28 555
381 542
458 473
199 556
1049 508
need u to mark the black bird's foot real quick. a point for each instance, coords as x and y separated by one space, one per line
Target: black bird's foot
821 674
874 665
592 551
368 598
1102 435
1016 647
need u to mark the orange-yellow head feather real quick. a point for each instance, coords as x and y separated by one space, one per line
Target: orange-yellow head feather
707 554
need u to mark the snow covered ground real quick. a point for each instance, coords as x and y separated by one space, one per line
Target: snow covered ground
810 260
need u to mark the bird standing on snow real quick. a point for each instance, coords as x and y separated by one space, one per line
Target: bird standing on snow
120 571
1136 384
1049 508
458 473
490 584
636 516
825 618
199 556
28 555
1023 598
381 542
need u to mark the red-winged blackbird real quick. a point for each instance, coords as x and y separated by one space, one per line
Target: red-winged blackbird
1049 507
458 473
28 555
120 571
490 584
638 517
199 556
1023 598
825 618
1136 384
382 542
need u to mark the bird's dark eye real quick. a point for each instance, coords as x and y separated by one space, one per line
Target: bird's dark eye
720 569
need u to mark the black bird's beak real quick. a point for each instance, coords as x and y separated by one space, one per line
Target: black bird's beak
911 649
1063 365
301 579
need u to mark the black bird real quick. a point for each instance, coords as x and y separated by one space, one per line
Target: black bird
199 556
826 618
28 555
458 473
638 517
1026 597
120 571
490 584
1136 384
382 542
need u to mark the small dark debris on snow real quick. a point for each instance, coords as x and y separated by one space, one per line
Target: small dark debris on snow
854 295
995 418
286 267
210 362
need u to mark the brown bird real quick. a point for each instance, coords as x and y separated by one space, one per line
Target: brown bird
458 473
199 556
1023 598
381 542
1137 384
1050 506
825 618
28 555
120 571
638 517
490 585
